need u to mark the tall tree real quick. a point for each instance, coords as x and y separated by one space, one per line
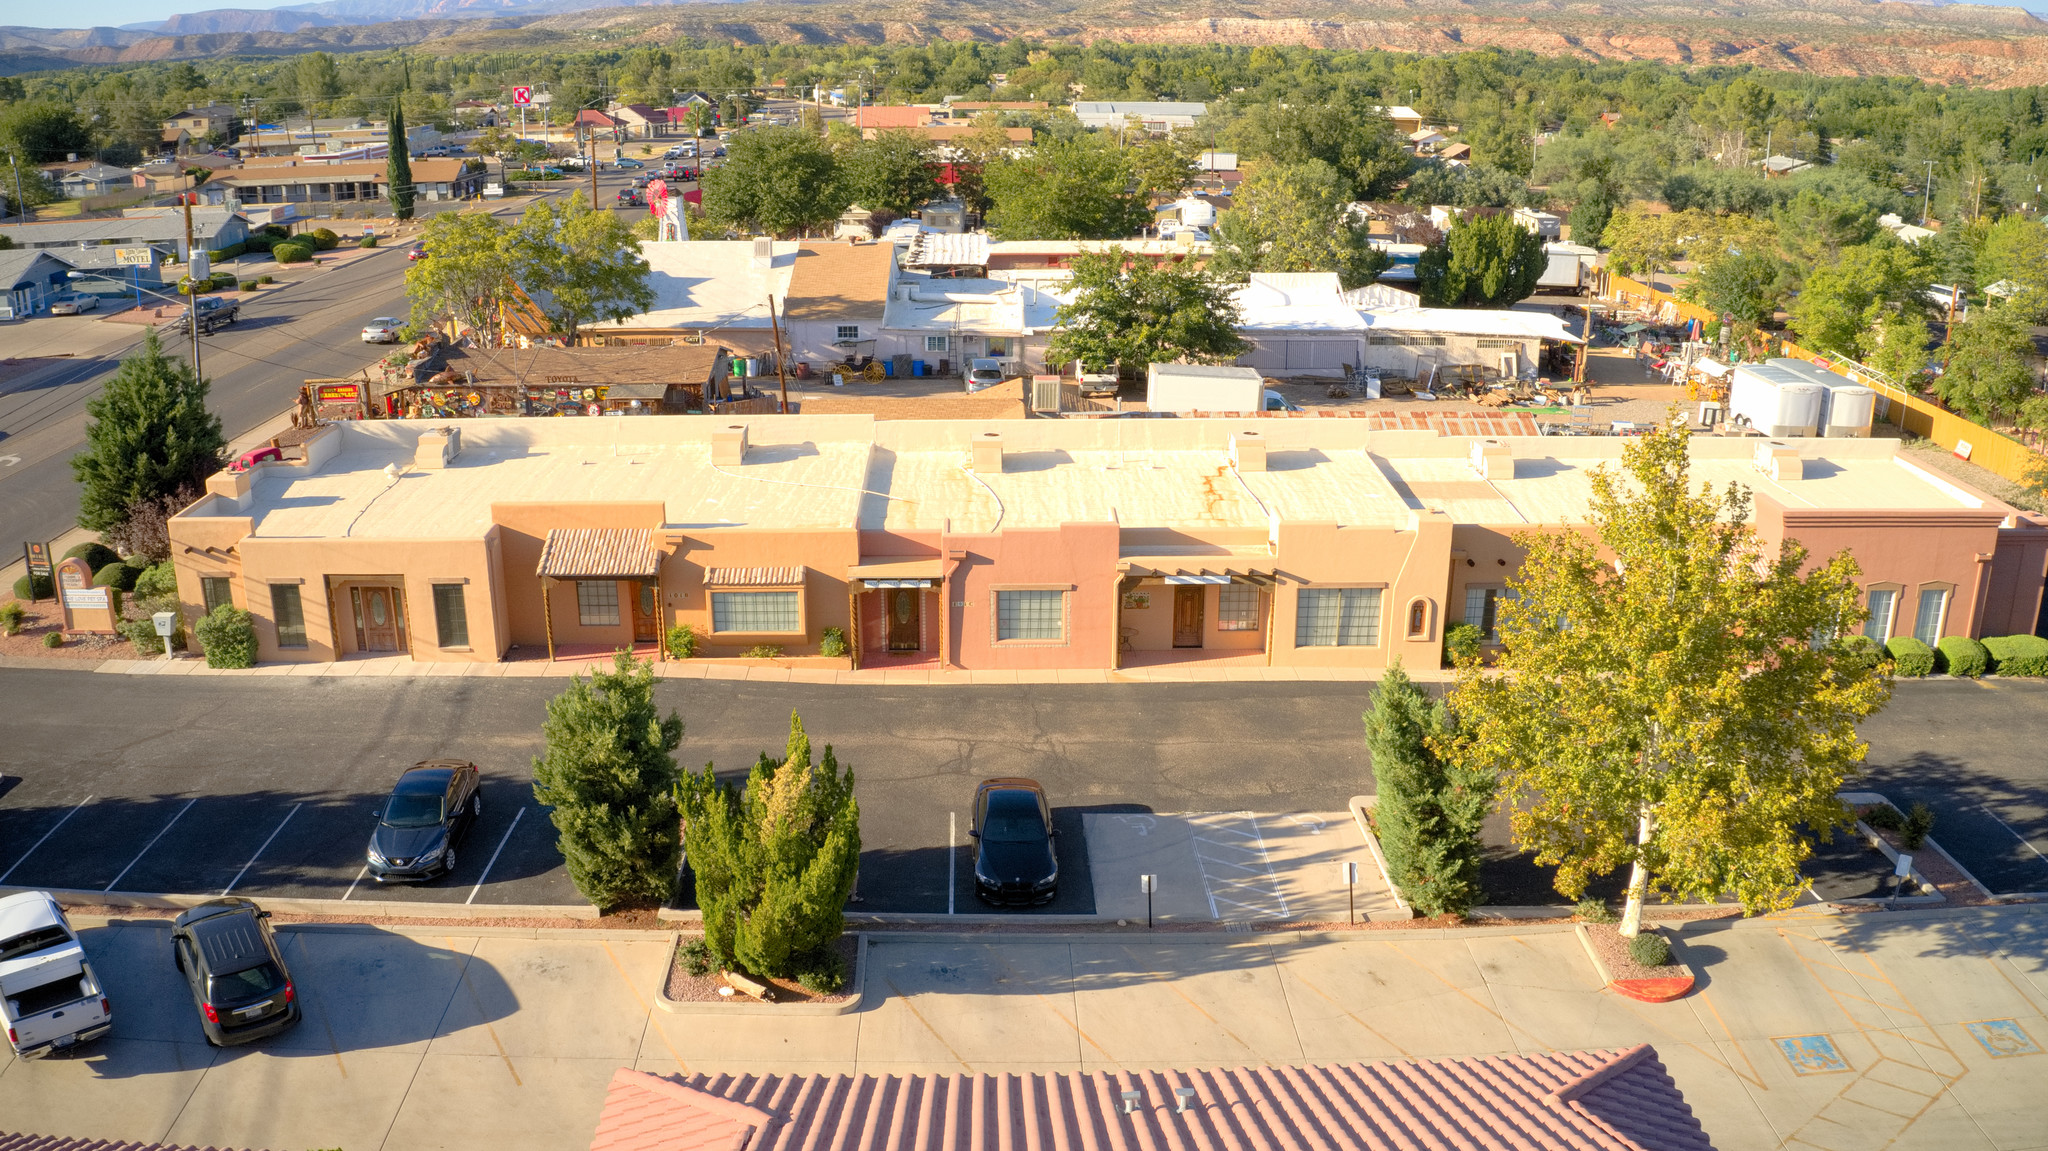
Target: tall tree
2015 254
1841 303
1899 349
398 167
1813 227
1139 313
577 265
780 180
1080 188
470 277
1988 373
150 436
774 866
608 772
1353 138
1430 806
987 144
1673 693
1746 285
1489 262
893 173
1295 218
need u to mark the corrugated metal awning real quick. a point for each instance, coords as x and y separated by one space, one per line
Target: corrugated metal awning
895 567
755 577
600 553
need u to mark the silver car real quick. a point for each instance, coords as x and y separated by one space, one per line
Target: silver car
72 303
382 330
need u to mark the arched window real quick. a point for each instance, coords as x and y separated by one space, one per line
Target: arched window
1421 618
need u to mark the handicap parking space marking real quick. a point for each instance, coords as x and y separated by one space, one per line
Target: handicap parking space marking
46 838
152 843
2002 1038
1811 1054
1235 868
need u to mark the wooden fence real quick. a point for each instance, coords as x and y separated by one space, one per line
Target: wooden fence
1974 442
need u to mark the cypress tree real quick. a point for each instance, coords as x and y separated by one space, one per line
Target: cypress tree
1430 810
151 436
607 772
398 169
775 866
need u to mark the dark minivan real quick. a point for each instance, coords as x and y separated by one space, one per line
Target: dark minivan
1014 862
229 957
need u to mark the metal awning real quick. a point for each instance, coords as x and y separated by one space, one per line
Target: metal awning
754 577
1199 569
636 392
897 571
600 553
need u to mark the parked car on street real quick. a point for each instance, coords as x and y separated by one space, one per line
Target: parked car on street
382 330
50 1000
73 303
416 252
431 807
628 164
214 312
229 957
1014 861
631 198
984 373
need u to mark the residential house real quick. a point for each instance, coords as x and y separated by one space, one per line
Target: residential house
1548 225
96 180
637 120
312 181
1424 141
1776 166
1455 154
835 306
211 123
875 118
1907 233
28 279
1406 120
92 243
1409 341
476 113
947 321
1156 116
175 142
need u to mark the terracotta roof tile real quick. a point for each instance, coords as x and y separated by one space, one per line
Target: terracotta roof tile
23 1142
1568 1101
599 553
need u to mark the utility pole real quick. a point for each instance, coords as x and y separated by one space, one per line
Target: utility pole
781 373
191 285
1926 193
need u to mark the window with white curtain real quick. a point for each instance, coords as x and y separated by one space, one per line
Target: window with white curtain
1337 617
1933 615
756 611
1879 625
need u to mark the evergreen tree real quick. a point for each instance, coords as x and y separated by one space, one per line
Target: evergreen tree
775 866
398 170
608 773
1490 262
151 436
1430 808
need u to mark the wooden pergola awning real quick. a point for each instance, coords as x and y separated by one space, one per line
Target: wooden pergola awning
897 572
600 553
1197 569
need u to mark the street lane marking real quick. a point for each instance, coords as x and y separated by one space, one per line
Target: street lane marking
46 836
151 843
259 851
502 841
358 879
952 852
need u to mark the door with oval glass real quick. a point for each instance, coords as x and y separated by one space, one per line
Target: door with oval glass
380 617
646 617
905 632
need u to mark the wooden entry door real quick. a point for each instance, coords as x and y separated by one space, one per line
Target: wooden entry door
905 624
380 618
1187 615
646 615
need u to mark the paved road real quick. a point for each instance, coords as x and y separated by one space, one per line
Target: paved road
186 784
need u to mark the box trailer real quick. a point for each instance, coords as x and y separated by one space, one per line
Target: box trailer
1203 388
1775 400
1847 409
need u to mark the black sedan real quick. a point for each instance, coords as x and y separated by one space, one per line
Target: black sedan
229 957
1014 862
430 809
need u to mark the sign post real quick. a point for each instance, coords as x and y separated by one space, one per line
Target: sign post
1347 874
522 95
1148 883
37 558
1901 873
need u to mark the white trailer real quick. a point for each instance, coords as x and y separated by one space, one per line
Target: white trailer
1203 388
1847 409
1775 400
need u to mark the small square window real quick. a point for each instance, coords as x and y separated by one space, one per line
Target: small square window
597 603
288 612
849 332
451 614
215 591
1031 614
1237 607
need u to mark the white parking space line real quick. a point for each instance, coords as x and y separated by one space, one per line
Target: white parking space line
1236 872
46 836
358 879
259 851
151 843
502 840
2016 835
952 854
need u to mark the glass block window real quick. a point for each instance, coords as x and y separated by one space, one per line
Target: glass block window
1237 607
597 602
1031 615
216 590
289 614
1482 609
1337 617
767 611
451 614
1879 625
1933 614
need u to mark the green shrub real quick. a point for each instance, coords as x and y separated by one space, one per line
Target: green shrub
1461 641
1910 657
261 242
43 588
228 636
53 639
95 554
367 242
277 231
115 575
1919 822
248 285
1885 818
221 255
833 642
266 279
292 253
142 634
1961 655
158 581
222 281
821 972
1594 910
2020 655
13 617
1649 949
323 239
1863 652
681 641
697 958
763 651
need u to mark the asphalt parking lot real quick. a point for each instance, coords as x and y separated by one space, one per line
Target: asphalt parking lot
267 786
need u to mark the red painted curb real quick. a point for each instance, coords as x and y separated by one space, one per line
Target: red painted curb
1654 990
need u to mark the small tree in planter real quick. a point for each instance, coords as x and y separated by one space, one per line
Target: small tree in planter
775 864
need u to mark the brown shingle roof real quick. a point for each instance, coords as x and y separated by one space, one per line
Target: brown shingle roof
599 553
1564 1101
835 280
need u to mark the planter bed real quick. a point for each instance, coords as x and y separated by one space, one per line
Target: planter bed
684 987
1623 975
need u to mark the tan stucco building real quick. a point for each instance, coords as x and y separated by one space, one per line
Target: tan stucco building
1026 544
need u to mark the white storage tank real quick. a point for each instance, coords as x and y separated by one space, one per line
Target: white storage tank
1849 407
1775 400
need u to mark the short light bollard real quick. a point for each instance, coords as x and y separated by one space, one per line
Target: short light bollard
1347 874
1147 884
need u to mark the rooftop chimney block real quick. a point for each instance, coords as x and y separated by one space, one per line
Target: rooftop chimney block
1780 461
437 447
1248 451
1491 460
988 453
729 446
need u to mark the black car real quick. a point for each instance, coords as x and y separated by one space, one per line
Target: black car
229 956
1014 862
429 810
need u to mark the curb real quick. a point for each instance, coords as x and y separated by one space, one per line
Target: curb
1892 853
358 908
1662 990
1361 807
734 1006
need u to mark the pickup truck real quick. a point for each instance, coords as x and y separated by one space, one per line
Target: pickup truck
214 312
50 999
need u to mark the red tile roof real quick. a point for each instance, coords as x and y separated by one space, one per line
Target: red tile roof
12 1142
1620 1100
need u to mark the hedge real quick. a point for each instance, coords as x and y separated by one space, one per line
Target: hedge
227 253
292 253
95 554
1961 655
228 636
1863 650
260 242
43 589
1910 657
115 575
2018 655
323 238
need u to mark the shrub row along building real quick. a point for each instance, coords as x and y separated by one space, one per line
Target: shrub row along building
1021 544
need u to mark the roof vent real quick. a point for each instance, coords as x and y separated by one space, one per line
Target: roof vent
1248 451
1131 1100
729 446
437 448
1780 461
988 453
1184 1098
764 251
1491 460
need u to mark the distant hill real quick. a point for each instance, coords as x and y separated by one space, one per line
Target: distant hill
1948 43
